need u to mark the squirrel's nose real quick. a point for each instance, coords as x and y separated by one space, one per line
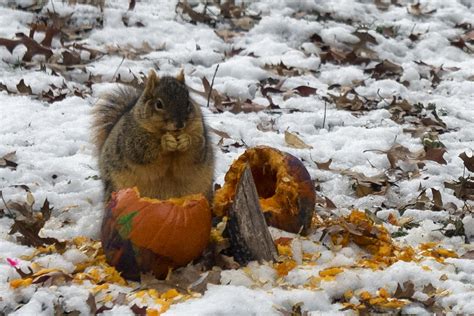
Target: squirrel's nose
179 125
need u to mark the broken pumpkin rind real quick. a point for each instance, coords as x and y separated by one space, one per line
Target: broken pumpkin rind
141 234
284 187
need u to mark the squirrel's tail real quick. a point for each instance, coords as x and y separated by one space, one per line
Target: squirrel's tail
109 109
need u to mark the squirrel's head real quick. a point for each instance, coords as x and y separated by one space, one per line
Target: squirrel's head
164 104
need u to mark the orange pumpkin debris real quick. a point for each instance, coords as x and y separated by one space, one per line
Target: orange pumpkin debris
284 187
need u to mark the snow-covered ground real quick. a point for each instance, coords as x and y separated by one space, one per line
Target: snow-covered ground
404 52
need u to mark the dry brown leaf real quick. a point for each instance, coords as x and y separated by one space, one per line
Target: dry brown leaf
283 70
399 153
33 48
406 292
468 161
468 255
330 204
305 91
437 200
246 106
382 5
226 35
195 16
435 154
71 58
220 133
364 185
351 101
294 141
7 161
324 165
31 223
463 188
244 23
49 277
386 69
23 88
332 54
417 10
364 37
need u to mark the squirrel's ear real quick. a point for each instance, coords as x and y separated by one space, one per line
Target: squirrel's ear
151 81
180 76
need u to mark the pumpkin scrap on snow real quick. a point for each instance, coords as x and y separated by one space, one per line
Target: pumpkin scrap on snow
283 184
142 234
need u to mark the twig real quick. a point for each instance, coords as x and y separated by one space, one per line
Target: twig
381 98
325 109
375 151
5 203
116 71
371 164
212 85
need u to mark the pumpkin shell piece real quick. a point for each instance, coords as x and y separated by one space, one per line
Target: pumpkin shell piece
285 189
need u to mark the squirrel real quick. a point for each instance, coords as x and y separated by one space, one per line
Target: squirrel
154 138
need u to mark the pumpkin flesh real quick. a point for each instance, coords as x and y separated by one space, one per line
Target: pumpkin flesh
162 233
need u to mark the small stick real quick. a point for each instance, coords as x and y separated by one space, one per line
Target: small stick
212 85
5 203
116 71
324 118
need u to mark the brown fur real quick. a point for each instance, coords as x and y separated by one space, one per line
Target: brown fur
164 150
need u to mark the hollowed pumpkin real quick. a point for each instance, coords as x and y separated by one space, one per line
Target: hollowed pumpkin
141 234
283 184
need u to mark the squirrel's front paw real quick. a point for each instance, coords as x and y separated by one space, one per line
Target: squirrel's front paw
169 143
184 141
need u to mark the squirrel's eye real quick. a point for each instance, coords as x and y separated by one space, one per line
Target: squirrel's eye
158 105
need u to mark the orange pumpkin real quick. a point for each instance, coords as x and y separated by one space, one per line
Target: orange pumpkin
284 187
141 234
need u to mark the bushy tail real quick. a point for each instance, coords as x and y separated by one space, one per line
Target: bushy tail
108 111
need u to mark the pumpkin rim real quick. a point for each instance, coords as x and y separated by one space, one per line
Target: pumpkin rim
284 183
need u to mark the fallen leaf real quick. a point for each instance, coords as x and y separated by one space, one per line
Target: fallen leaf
463 188
305 91
468 255
435 154
7 161
71 58
364 185
406 291
468 161
137 310
294 141
324 165
350 100
416 10
23 88
31 224
437 201
195 16
33 48
49 277
386 70
245 23
382 5
220 133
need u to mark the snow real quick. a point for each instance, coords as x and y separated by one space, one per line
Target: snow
56 158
